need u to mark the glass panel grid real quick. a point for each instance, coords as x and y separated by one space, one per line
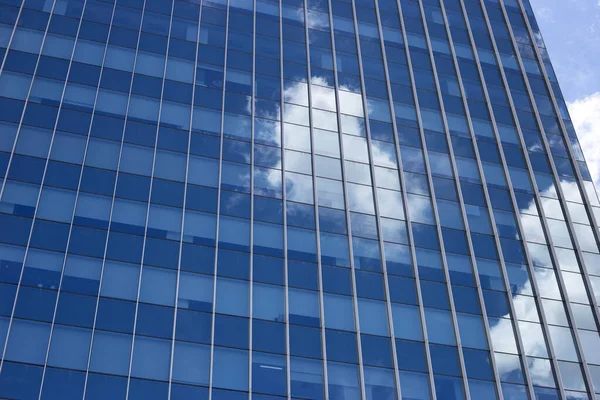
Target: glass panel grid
358 200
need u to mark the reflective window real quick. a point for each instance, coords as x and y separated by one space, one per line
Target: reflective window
440 327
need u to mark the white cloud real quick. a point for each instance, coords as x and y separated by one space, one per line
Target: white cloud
544 13
585 114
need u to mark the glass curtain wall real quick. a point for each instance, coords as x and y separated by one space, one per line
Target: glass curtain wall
304 199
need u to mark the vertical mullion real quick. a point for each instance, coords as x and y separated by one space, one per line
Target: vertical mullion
12 35
2 63
374 191
346 209
112 206
577 249
288 361
139 289
551 350
586 201
435 212
59 290
215 278
26 101
506 281
185 187
39 195
405 206
316 208
251 266
459 192
532 277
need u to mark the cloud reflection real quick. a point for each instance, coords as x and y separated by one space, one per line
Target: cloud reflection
360 198
526 310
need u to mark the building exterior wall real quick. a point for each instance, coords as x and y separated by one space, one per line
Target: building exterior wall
343 200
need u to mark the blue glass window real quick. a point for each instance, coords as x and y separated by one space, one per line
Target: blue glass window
444 360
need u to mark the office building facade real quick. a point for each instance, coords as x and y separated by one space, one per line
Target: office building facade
341 200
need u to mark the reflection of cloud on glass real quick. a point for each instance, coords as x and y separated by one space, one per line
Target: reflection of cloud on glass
317 20
267 182
420 209
322 97
534 344
299 188
355 148
248 105
326 140
350 103
532 229
267 131
570 190
384 154
440 164
576 395
296 92
296 209
585 114
541 372
232 202
360 198
596 286
390 203
503 340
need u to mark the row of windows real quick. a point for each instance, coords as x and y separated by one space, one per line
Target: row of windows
563 163
543 278
76 145
268 304
566 258
91 242
366 252
300 340
467 167
111 350
348 122
43 270
342 384
325 146
428 267
559 230
538 162
390 202
55 207
65 328
165 254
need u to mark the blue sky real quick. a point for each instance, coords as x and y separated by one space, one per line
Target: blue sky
571 31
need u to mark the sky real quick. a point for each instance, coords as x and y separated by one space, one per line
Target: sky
571 31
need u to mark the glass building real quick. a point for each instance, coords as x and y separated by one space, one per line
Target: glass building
325 200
